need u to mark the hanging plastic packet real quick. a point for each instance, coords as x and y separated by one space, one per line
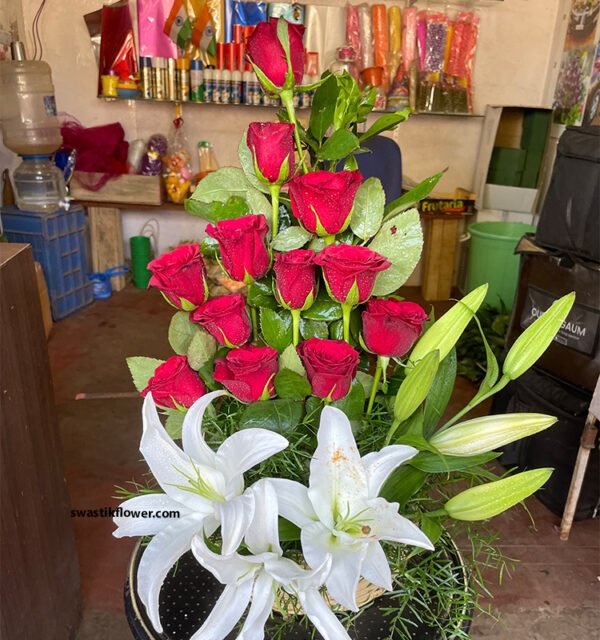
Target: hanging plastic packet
461 58
367 58
435 49
409 37
293 13
152 160
395 41
353 32
177 170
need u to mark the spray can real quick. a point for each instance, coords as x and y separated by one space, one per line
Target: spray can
171 82
196 81
209 84
183 79
146 76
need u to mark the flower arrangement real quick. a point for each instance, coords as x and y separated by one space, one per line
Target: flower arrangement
304 447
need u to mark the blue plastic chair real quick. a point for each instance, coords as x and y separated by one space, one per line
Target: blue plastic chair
384 162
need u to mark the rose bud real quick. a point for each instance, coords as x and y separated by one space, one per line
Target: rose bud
295 279
180 276
350 272
175 384
266 51
322 201
244 255
391 327
226 319
272 147
248 372
330 365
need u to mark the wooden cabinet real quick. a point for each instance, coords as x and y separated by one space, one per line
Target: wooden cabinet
39 588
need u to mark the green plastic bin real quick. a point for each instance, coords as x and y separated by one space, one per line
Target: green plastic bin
492 259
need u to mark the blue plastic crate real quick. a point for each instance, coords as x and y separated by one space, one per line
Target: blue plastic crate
59 244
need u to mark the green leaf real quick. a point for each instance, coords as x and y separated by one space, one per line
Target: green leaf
430 462
314 407
276 328
488 500
260 294
338 146
324 308
443 334
279 415
366 380
142 369
289 384
323 107
353 403
336 330
491 371
440 393
432 528
288 531
289 359
416 386
417 441
202 349
247 162
385 123
530 345
412 197
400 240
174 424
367 212
209 248
181 332
402 484
220 185
206 373
291 238
313 329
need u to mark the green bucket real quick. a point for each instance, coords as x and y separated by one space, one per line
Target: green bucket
492 259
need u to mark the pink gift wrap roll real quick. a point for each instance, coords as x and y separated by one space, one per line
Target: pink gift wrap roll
353 30
367 57
409 37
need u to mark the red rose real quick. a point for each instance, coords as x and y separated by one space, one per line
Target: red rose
181 277
242 243
391 327
174 381
272 147
323 200
226 319
350 272
248 372
295 278
266 52
331 366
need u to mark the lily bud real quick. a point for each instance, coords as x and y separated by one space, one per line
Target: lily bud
489 500
530 345
445 332
415 386
485 434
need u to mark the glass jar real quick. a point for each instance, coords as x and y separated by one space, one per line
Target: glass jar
39 185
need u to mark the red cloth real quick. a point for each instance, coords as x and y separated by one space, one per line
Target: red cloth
101 149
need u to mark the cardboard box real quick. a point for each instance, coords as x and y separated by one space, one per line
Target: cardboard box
496 196
124 189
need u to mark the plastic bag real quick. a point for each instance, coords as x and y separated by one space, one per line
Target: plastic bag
353 31
152 161
152 15
409 37
177 170
117 47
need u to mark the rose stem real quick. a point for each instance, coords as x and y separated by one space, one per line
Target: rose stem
376 378
329 240
295 326
346 311
287 97
275 189
254 324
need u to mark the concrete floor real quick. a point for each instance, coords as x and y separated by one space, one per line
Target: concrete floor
552 595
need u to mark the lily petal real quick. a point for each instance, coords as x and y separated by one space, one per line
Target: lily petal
159 556
149 525
263 596
235 517
226 613
346 562
263 534
319 613
380 464
246 448
232 569
376 568
191 435
294 504
338 480
387 524
168 463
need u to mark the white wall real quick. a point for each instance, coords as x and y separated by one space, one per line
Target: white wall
512 64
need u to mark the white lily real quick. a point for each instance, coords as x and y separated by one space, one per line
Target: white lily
254 579
205 487
340 512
